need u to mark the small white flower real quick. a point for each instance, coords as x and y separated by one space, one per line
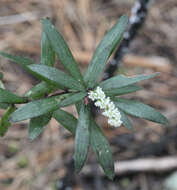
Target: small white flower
111 106
115 123
100 93
109 113
103 102
99 104
92 95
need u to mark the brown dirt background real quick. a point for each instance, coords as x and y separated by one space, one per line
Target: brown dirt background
37 165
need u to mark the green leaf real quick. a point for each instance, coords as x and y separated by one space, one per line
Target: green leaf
82 138
98 141
122 81
22 61
40 90
8 97
102 149
104 50
141 110
47 58
47 53
37 125
37 108
73 99
62 50
122 91
125 120
1 75
78 106
55 77
4 123
2 85
4 106
67 120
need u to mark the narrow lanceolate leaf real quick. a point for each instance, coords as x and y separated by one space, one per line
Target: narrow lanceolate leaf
104 50
122 81
4 106
141 110
40 90
78 106
47 53
73 99
55 77
98 141
123 90
2 85
4 123
37 108
125 120
1 75
102 149
37 125
22 61
67 120
62 50
47 58
82 138
8 97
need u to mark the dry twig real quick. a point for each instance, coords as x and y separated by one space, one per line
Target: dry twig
141 165
17 18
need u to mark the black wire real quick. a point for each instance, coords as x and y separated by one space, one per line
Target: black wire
138 16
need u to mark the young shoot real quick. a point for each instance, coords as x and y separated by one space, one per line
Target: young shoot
42 102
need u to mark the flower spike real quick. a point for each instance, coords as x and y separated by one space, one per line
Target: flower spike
103 102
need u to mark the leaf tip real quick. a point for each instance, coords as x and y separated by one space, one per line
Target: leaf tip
165 121
111 175
77 167
124 16
45 19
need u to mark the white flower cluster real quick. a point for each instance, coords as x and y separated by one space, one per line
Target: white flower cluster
113 114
